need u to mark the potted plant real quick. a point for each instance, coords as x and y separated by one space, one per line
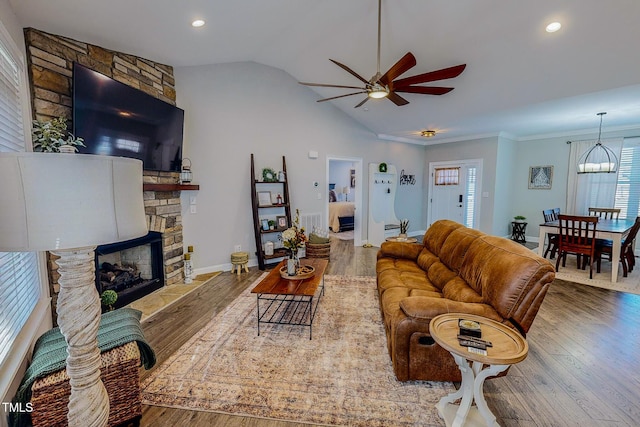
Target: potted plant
519 218
108 299
51 136
272 224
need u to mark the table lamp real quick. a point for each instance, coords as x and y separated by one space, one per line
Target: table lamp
68 204
346 190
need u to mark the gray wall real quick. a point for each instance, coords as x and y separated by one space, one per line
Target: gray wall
235 109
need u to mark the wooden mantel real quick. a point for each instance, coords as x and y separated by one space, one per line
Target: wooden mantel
169 187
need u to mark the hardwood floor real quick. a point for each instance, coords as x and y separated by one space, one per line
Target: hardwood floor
582 369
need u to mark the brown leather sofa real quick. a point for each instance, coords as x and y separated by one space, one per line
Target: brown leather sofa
455 270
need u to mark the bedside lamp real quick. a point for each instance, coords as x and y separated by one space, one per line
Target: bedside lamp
68 204
346 190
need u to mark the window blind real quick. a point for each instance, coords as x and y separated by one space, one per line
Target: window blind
628 188
19 283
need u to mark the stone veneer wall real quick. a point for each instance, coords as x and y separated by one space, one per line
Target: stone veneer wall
50 61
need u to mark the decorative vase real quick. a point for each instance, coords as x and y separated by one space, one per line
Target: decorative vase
293 263
66 149
402 235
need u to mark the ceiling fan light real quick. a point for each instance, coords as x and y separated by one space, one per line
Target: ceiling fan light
378 91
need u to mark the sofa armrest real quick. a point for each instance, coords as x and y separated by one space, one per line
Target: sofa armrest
399 250
426 308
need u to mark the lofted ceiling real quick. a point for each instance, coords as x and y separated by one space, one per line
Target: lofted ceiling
519 80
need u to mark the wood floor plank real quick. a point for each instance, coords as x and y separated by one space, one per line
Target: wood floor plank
582 368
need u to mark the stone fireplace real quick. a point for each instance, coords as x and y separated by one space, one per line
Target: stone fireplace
132 269
50 63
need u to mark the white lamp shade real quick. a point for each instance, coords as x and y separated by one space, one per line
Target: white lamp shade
52 201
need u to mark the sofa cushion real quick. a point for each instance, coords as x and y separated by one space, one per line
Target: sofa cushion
435 236
427 308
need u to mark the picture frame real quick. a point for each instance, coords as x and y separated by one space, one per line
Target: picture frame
540 177
352 178
264 224
281 222
264 198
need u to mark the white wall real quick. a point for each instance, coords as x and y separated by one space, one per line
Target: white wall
235 109
504 188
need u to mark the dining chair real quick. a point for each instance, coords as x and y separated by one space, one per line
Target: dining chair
627 257
577 236
552 245
605 213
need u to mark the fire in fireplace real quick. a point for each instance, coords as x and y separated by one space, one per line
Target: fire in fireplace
132 269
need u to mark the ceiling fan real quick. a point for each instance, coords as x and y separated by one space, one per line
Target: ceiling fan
386 86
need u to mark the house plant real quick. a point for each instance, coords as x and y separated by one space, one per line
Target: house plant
108 299
51 136
519 218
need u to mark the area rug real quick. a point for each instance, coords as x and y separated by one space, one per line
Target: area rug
343 376
570 273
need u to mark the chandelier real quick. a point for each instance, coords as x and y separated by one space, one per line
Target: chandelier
599 158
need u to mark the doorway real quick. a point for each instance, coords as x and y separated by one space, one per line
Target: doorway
454 189
344 177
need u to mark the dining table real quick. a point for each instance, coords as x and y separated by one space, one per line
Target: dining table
608 229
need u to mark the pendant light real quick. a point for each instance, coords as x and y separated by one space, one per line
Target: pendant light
599 158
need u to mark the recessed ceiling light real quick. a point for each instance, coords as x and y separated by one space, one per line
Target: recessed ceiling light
197 23
553 27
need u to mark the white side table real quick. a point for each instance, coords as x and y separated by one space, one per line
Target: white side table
509 347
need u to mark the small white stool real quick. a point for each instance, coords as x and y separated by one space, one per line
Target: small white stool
239 260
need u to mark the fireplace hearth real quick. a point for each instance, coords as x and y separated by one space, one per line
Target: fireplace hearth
133 268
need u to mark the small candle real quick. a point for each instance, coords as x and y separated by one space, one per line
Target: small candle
189 248
187 257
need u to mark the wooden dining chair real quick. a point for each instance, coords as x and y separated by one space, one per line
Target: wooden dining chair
627 257
552 245
577 236
605 213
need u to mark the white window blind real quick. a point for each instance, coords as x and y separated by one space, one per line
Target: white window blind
447 176
628 188
19 283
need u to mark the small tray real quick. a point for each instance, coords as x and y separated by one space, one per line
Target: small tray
304 272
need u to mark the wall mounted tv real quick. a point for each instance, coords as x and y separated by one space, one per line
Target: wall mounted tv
117 120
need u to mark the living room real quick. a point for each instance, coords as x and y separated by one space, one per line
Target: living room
241 107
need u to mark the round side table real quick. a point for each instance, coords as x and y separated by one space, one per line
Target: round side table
509 347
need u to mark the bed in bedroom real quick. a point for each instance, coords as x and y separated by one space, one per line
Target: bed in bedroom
341 216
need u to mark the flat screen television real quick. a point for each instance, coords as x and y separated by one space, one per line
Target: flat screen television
118 120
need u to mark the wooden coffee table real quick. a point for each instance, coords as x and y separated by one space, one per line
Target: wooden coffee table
290 302
509 347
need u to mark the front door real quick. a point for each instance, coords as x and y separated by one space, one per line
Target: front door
453 189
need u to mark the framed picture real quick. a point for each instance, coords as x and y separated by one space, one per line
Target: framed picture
265 224
352 178
540 177
264 198
281 222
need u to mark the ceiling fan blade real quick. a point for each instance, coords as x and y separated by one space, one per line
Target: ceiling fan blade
445 73
350 71
362 102
425 90
397 99
329 85
399 68
340 96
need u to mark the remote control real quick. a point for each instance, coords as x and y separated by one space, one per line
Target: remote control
481 341
474 344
